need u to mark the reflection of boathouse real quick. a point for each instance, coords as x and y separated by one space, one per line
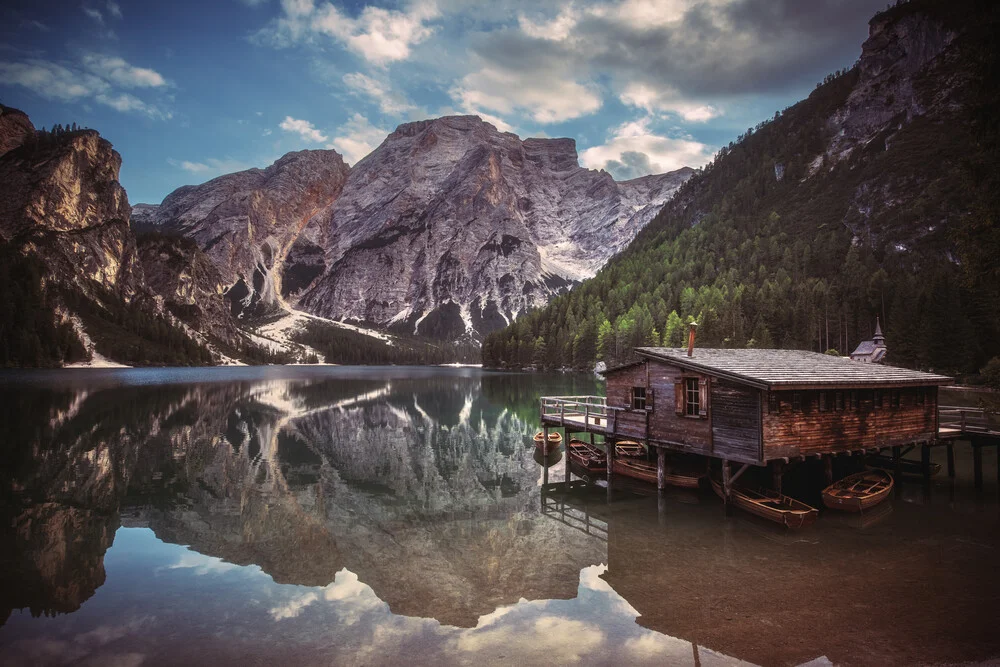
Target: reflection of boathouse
755 406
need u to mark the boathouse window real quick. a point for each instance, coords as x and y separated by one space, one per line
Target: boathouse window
921 396
692 397
839 404
638 398
878 399
772 403
796 401
823 403
894 398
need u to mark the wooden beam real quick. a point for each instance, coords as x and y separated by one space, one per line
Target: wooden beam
925 463
896 456
661 469
727 487
743 469
609 446
777 473
977 465
951 459
828 469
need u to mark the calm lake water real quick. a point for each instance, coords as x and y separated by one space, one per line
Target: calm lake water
330 516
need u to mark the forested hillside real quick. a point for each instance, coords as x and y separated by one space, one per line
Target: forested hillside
875 196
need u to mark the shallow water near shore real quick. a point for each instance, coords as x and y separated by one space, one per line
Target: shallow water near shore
387 515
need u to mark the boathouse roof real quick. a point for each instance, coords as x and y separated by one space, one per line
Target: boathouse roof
791 369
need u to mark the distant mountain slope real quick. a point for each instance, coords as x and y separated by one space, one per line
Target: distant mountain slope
447 230
452 228
71 284
876 196
246 221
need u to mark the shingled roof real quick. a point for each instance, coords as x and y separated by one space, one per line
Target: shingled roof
791 369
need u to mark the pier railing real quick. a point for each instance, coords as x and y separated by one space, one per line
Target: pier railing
967 420
586 409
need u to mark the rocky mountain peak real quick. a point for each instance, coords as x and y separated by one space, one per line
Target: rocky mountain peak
15 127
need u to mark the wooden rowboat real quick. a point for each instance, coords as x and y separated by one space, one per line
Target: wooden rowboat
636 468
858 492
629 448
639 468
770 505
587 456
546 447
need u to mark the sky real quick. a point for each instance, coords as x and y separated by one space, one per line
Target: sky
189 90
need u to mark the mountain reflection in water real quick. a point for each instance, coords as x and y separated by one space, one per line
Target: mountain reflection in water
358 516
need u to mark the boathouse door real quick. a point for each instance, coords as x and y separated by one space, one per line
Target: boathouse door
735 421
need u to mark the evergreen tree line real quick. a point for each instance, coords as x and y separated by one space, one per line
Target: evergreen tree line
342 346
764 250
29 333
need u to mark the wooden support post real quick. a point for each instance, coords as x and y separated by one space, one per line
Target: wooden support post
777 472
661 469
828 469
951 459
545 456
895 460
566 456
727 487
610 447
925 463
977 464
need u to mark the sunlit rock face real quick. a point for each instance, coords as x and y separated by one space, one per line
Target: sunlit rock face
61 199
245 222
451 228
15 127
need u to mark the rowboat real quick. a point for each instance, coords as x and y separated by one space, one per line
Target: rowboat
546 447
906 466
770 505
587 456
629 448
858 492
635 465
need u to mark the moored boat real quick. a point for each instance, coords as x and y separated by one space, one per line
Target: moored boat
551 445
633 467
770 505
589 457
858 492
629 448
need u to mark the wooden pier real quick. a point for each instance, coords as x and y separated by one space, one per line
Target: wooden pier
769 409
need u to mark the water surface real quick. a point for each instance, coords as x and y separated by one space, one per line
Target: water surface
397 515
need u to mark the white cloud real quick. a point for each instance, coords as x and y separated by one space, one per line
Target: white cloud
114 9
357 138
211 167
51 80
388 100
118 71
634 150
94 14
125 102
378 35
558 29
546 95
666 100
96 81
303 128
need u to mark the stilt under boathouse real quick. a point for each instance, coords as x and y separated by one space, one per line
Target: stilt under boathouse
751 407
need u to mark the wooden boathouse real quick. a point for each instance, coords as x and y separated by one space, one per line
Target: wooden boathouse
755 407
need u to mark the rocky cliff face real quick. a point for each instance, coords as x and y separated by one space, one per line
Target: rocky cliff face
15 127
62 201
245 222
451 228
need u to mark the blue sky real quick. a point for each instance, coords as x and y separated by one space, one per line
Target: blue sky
187 90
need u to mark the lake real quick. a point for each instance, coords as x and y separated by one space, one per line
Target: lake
349 515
